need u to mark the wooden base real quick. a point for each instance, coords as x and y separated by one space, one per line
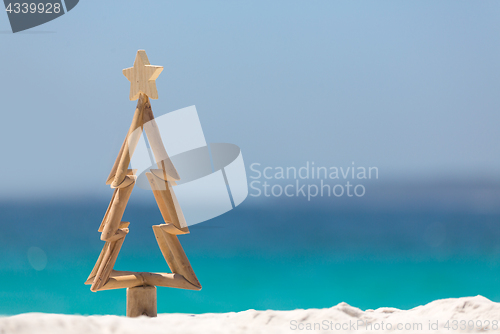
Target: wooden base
141 300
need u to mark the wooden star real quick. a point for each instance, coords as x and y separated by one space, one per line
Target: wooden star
142 77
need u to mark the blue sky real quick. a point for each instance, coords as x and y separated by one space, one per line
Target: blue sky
410 87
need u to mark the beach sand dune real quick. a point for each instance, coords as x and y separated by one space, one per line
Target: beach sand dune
454 315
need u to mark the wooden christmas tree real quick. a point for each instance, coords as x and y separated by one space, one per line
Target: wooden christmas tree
141 286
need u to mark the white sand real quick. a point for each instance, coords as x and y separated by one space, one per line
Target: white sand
477 309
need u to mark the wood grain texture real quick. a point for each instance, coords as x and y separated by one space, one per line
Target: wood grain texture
133 136
167 202
116 210
159 199
112 173
141 300
120 233
170 280
123 225
93 273
172 229
162 175
142 77
181 261
106 215
162 243
174 254
128 279
164 163
107 264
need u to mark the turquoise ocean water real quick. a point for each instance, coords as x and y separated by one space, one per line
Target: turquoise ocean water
276 256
